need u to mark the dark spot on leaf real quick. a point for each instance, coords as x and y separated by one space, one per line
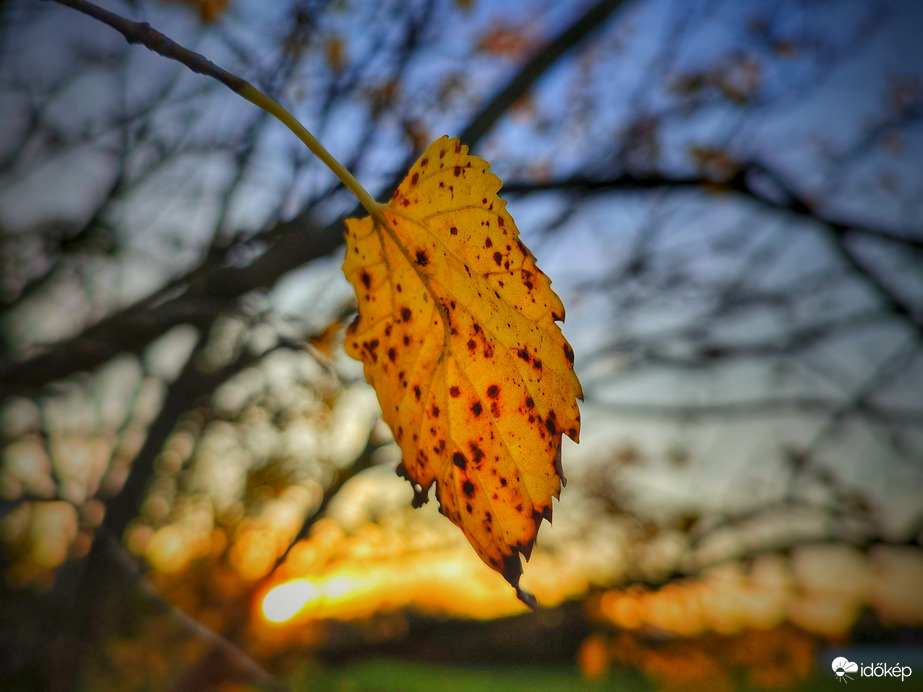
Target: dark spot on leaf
498 258
406 340
453 391
457 171
459 460
552 428
569 353
476 408
416 391
476 453
435 411
372 348
488 243
503 482
366 279
493 391
406 314
471 344
453 230
414 178
524 354
537 364
529 402
422 258
468 488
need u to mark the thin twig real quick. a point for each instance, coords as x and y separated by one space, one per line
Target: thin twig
144 34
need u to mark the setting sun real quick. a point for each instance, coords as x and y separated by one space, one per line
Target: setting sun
286 600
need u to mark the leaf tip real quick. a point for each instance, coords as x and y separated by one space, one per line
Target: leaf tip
527 598
512 572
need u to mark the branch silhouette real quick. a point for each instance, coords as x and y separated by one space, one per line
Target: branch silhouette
292 243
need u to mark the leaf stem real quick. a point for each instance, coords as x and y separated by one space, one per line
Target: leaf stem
278 111
143 33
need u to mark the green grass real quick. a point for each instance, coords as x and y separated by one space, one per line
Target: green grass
389 675
393 675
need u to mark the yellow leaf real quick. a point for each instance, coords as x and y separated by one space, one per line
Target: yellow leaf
457 330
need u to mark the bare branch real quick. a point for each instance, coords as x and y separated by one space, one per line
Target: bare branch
540 63
741 184
784 406
142 33
211 286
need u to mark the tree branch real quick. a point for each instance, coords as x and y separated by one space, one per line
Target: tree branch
212 286
540 63
740 184
837 231
142 33
790 406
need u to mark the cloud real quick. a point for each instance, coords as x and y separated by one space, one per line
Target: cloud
842 664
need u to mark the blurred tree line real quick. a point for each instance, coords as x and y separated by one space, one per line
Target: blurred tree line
726 195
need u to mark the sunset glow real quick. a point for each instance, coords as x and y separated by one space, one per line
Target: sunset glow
285 601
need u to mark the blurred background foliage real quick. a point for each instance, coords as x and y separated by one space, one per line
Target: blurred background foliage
196 489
